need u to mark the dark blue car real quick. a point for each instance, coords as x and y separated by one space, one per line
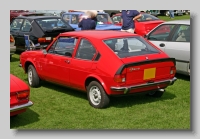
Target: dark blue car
104 22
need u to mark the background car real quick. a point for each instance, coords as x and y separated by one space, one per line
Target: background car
101 63
142 25
19 96
104 22
173 37
12 46
40 29
16 13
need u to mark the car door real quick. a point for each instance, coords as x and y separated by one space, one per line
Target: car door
82 64
161 35
57 62
15 27
179 48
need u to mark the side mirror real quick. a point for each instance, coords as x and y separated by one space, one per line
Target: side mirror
68 54
145 36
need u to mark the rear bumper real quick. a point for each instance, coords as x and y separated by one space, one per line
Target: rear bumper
20 107
127 89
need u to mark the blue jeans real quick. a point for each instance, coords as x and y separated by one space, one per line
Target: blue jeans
171 13
27 43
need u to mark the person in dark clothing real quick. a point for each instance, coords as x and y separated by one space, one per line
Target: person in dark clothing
87 23
127 19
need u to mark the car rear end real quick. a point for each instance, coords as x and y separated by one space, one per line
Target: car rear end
19 96
50 28
145 68
12 45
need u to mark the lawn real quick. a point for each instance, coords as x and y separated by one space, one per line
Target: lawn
57 107
165 18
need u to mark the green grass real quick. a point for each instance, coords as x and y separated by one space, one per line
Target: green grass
57 107
165 18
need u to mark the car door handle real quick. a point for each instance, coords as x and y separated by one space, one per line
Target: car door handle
67 61
162 45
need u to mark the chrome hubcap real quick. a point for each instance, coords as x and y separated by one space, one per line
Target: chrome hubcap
30 76
95 95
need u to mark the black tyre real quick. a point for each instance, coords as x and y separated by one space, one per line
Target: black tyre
97 96
156 94
33 78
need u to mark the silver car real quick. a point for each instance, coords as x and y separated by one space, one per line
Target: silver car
12 46
173 37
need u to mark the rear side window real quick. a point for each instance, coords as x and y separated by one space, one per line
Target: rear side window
26 27
127 47
52 24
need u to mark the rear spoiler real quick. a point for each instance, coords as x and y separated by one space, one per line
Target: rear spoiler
144 62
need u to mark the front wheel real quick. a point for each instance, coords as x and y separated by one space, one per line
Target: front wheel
33 78
97 96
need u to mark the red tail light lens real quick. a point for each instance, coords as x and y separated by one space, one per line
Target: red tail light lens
23 95
11 38
173 71
45 39
120 78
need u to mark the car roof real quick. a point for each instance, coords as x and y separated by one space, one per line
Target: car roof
185 21
99 34
37 17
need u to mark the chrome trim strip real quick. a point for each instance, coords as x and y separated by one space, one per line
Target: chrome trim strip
23 106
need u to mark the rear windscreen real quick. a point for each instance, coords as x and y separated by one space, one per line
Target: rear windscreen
130 46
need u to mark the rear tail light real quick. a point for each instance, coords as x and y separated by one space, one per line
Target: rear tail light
44 39
23 95
11 38
120 78
173 70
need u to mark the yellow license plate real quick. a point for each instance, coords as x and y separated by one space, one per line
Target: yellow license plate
149 73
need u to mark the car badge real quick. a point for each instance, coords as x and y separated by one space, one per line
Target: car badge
147 58
131 69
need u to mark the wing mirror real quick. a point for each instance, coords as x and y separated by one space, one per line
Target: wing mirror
44 51
145 36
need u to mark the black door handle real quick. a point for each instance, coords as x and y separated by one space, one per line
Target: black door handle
162 45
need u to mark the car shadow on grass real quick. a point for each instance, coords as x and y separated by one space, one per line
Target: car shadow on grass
137 99
23 119
183 77
14 59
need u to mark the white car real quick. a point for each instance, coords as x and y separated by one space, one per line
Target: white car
173 37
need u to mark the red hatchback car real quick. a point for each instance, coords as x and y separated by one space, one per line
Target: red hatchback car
142 25
101 63
19 96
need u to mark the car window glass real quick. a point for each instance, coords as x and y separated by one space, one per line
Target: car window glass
161 33
66 18
127 47
182 34
52 24
104 19
74 19
16 24
64 46
116 19
85 50
147 17
26 27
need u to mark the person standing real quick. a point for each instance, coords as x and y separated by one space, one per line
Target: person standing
127 19
87 23
171 14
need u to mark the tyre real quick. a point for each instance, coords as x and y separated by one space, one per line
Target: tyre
156 94
33 78
167 13
97 96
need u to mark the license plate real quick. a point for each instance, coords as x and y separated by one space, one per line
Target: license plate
48 38
149 73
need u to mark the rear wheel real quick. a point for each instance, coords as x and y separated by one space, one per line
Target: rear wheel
97 96
33 78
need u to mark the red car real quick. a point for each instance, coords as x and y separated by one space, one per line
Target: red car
142 25
19 96
101 63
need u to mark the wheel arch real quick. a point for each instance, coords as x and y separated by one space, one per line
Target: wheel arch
98 79
27 63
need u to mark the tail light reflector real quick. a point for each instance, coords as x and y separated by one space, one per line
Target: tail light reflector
45 39
173 70
23 95
120 78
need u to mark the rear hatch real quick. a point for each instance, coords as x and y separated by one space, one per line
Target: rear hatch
148 69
